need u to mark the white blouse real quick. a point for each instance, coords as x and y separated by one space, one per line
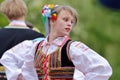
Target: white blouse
89 65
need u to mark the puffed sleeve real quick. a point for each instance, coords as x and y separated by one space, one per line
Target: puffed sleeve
19 61
89 65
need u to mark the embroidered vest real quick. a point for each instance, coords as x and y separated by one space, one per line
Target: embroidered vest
55 66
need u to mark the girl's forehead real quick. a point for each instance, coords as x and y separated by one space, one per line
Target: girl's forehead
64 12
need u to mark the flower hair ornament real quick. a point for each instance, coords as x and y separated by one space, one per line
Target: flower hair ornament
48 13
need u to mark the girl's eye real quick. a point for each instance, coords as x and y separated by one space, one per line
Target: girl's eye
65 19
72 22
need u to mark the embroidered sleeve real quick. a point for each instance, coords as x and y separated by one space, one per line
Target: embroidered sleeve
91 64
19 61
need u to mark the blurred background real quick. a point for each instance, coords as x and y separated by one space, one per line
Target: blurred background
98 26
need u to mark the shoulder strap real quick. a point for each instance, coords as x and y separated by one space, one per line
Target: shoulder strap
36 49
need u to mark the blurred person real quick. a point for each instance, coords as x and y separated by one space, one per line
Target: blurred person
57 57
16 31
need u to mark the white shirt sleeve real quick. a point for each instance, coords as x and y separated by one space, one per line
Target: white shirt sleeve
19 61
89 65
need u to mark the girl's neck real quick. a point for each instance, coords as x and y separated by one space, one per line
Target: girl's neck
51 37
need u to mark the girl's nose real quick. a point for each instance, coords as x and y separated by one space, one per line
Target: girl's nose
70 24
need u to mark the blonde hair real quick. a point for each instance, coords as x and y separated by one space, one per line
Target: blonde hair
71 10
13 9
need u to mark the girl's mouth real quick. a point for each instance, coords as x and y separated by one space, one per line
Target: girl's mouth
67 29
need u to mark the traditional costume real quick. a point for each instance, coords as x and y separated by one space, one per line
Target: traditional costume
79 63
53 61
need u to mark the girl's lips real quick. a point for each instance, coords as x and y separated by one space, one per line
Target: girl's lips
67 29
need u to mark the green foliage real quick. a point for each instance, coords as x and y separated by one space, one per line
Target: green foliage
1 1
3 21
98 27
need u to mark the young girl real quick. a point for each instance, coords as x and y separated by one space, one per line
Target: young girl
59 58
56 57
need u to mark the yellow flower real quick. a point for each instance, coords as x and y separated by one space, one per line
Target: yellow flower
51 6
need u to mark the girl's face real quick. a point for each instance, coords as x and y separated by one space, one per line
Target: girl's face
63 25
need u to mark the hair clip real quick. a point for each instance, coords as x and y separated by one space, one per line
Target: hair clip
47 11
54 16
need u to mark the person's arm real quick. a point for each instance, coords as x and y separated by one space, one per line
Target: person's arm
19 61
29 71
91 65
